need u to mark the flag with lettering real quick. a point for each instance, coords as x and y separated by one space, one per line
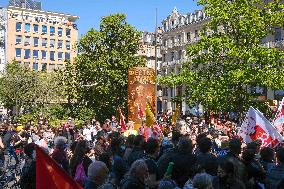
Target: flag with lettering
279 117
256 127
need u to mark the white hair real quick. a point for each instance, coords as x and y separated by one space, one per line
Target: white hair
60 141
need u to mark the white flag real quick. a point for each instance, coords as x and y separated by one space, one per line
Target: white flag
279 118
257 127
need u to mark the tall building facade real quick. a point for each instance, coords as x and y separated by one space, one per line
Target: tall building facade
3 37
147 48
179 31
182 30
39 39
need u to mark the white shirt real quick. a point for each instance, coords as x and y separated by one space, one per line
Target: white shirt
87 134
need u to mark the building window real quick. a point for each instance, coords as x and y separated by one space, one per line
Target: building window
68 45
18 53
52 30
68 32
188 37
196 34
179 54
52 55
277 36
60 32
52 43
27 40
164 57
35 66
18 39
43 55
43 67
60 55
27 27
67 56
44 42
60 43
35 28
172 56
27 53
18 26
44 29
179 38
35 53
35 41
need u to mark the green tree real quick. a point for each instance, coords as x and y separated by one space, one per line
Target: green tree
230 57
17 84
105 55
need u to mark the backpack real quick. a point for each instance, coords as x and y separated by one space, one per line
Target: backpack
80 175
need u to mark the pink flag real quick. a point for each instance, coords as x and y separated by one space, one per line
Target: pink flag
256 127
279 118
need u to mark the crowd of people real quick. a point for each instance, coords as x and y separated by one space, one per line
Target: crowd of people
190 154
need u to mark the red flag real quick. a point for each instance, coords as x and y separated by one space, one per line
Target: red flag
122 120
49 175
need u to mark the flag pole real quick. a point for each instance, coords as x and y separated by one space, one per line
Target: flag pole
156 62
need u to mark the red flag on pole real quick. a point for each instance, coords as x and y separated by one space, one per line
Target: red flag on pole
49 175
122 120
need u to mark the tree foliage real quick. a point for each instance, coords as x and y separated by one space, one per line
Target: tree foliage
105 55
28 89
230 57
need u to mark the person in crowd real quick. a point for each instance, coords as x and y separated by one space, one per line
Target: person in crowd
28 175
119 166
255 171
205 159
9 143
168 155
136 177
235 148
267 158
138 151
276 174
59 154
129 145
97 175
184 156
225 178
100 146
202 181
151 154
80 156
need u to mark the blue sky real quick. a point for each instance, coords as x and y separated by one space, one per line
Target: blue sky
140 13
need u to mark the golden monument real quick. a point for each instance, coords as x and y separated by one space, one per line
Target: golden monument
141 89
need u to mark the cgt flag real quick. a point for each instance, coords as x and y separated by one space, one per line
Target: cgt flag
49 175
257 127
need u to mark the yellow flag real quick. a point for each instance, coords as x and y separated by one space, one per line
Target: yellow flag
176 115
150 117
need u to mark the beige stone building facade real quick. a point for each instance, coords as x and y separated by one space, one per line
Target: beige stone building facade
147 48
39 39
179 31
182 30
